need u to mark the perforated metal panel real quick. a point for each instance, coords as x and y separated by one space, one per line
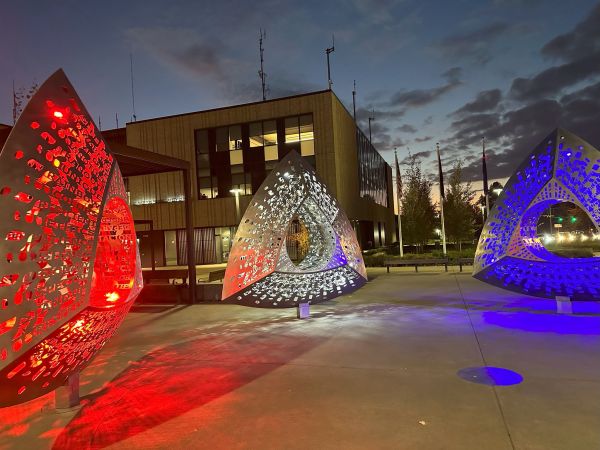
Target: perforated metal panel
69 262
260 272
562 168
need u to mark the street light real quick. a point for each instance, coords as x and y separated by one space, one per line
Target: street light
237 193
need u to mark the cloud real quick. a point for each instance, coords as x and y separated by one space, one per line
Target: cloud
475 44
422 97
417 156
182 49
423 139
406 128
553 81
209 60
484 101
579 52
512 135
582 41
566 95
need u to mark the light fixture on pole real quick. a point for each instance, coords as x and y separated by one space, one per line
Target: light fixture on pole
371 118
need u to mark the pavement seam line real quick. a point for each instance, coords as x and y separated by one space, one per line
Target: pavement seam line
498 403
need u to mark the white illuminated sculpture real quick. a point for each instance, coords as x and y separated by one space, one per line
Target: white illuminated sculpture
260 272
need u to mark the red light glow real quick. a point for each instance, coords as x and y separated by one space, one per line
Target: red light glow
58 114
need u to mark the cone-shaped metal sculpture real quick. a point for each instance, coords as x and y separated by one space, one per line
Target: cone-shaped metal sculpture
562 168
260 272
70 266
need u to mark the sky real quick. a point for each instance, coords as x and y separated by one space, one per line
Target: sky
432 71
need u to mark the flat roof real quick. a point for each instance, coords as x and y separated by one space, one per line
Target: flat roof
239 105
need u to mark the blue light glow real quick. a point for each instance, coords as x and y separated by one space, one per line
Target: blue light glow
490 376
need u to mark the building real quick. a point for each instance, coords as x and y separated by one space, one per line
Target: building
233 149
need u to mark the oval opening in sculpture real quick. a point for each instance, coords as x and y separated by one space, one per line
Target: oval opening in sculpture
297 240
566 230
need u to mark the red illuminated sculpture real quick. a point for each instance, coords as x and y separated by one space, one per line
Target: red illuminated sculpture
69 263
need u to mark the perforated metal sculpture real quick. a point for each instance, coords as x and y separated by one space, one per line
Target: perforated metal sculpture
70 266
260 272
563 168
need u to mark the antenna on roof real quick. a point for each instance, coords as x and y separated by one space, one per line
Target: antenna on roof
354 100
328 51
117 119
132 96
261 73
100 123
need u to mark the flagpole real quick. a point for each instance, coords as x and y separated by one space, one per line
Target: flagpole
485 180
442 196
398 197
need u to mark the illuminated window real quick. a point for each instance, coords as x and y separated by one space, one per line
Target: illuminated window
307 148
292 130
236 157
235 137
270 133
256 134
306 128
271 153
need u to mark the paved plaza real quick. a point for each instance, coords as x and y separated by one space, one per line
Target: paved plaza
395 365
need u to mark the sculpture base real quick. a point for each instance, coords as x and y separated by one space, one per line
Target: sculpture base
303 310
564 305
67 396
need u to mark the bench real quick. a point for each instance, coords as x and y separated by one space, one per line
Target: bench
415 262
464 262
168 274
216 275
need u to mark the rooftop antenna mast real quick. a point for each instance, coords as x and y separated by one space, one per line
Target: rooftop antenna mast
328 51
132 95
261 72
354 101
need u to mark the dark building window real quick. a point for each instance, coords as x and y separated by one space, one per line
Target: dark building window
240 156
372 171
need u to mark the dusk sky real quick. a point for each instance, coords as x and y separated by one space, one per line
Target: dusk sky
511 70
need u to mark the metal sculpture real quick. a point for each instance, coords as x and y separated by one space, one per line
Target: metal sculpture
562 168
260 273
70 266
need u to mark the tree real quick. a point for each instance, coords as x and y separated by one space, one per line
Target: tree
459 211
418 213
20 98
493 194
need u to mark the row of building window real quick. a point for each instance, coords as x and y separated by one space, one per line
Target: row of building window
239 156
372 171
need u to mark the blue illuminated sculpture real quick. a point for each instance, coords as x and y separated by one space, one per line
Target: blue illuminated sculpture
562 168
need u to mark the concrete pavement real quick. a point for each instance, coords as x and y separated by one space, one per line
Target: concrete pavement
382 368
